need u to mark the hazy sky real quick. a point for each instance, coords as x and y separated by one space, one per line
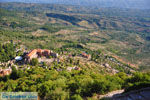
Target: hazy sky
101 3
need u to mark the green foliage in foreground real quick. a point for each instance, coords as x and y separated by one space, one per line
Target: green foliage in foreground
75 85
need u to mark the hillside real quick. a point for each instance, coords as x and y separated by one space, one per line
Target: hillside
66 52
124 37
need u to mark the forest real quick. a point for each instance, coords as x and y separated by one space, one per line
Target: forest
7 52
75 85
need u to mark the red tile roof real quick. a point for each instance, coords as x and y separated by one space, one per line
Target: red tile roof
38 51
31 53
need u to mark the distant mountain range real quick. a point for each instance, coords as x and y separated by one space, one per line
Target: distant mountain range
137 4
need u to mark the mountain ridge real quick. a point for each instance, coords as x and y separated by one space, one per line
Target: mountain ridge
135 4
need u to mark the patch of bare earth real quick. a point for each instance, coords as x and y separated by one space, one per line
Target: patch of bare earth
39 32
85 24
64 32
95 46
124 61
39 20
110 94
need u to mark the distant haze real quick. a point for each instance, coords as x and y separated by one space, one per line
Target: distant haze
139 4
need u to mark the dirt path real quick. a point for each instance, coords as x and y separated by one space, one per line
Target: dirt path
110 94
141 94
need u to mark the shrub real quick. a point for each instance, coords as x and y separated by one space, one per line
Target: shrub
34 62
138 85
76 97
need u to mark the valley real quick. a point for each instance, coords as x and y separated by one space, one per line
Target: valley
73 52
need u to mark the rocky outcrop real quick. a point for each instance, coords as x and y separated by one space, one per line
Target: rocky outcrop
142 94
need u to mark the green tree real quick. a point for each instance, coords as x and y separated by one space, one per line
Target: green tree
76 97
58 94
34 62
14 74
44 64
78 62
7 52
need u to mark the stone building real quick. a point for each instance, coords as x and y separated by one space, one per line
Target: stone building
36 53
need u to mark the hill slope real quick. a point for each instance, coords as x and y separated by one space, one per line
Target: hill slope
123 33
